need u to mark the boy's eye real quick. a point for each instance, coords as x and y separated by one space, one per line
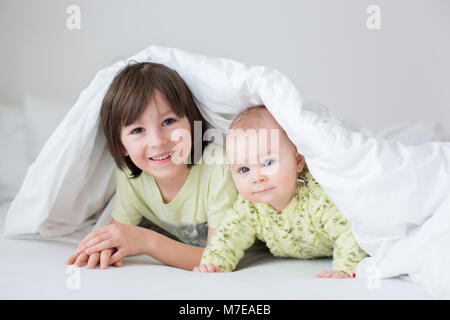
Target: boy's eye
137 130
244 170
168 121
268 162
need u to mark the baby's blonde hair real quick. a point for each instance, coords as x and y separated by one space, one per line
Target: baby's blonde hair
250 118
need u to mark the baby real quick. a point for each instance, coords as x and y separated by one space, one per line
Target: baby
279 203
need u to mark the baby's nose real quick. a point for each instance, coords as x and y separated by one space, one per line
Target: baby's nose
259 179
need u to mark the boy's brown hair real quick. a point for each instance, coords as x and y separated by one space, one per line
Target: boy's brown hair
127 97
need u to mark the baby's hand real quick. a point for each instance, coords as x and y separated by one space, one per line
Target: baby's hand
92 260
207 268
333 274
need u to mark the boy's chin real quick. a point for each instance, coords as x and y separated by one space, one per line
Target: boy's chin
165 173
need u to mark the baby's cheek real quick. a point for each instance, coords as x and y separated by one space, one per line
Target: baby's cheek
244 192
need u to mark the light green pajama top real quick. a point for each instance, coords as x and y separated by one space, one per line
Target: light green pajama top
309 227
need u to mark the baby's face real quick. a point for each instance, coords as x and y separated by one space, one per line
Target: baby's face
264 163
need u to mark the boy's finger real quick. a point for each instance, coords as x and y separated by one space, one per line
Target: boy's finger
81 259
72 259
118 263
211 267
90 243
116 257
93 234
104 258
196 269
203 268
93 260
107 244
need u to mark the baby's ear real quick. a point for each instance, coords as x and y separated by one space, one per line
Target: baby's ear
300 162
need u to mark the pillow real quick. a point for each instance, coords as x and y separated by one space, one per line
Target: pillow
42 116
14 146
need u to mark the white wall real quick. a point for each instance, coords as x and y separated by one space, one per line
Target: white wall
368 77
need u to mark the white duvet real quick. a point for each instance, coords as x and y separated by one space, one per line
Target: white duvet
397 196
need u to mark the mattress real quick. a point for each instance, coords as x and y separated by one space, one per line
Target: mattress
36 269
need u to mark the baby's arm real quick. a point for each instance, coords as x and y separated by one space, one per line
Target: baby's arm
235 234
346 252
211 268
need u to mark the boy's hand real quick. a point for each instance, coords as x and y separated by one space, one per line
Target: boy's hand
128 239
207 268
79 258
333 274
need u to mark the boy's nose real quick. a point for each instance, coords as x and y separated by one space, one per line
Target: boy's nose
156 139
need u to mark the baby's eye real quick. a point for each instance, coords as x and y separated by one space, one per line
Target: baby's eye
244 170
168 121
268 162
136 130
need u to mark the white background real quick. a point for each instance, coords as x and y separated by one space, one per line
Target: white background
372 78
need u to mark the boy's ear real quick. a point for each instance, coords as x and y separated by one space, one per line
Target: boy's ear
124 151
300 162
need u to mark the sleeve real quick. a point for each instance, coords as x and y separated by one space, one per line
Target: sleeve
222 194
126 202
235 234
346 252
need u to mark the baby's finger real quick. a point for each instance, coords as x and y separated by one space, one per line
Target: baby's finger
196 269
339 275
324 274
93 260
210 267
118 263
203 268
105 256
320 275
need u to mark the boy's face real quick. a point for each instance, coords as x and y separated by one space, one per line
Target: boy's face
158 142
264 163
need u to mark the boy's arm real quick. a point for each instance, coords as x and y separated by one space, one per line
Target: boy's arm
172 252
131 240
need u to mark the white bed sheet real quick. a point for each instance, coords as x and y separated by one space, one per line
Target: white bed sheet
35 269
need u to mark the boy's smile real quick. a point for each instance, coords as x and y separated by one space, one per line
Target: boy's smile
159 141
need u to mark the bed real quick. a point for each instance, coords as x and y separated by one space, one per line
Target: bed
35 269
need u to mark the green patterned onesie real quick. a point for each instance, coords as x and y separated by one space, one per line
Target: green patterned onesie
309 227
